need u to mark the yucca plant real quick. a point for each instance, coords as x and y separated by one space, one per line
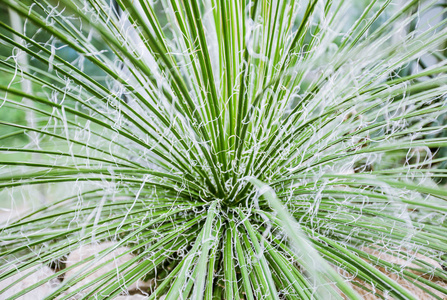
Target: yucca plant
235 149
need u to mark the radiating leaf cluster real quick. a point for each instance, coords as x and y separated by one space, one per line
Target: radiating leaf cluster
238 149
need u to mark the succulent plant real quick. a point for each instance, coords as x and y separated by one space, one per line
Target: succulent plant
225 149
